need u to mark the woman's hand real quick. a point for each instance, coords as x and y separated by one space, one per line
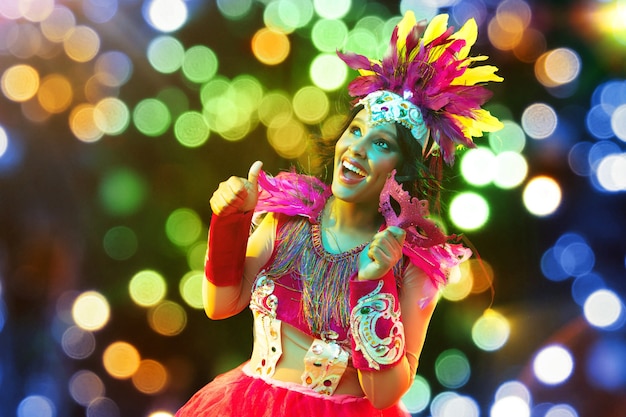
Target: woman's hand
237 194
383 252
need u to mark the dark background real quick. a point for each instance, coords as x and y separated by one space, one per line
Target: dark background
52 223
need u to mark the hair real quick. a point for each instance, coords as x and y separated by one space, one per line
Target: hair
413 174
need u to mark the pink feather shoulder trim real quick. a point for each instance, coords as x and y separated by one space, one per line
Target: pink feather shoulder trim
292 194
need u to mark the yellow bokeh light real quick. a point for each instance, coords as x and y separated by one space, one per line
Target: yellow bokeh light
111 116
91 311
121 360
273 105
506 31
542 196
310 104
20 82
190 288
82 44
151 377
55 93
147 288
491 331
270 47
557 67
83 124
481 272
458 289
532 45
287 136
167 319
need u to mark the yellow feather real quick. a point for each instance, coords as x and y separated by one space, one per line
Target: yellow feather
404 28
469 32
476 75
435 28
483 121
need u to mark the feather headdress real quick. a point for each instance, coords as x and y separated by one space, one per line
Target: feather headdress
428 67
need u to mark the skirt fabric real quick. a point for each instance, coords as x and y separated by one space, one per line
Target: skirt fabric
238 393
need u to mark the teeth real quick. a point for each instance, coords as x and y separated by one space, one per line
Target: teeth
354 169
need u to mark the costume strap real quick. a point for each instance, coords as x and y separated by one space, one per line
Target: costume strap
377 333
228 241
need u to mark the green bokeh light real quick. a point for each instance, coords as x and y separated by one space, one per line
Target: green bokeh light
216 87
469 211
120 243
183 227
288 15
122 192
491 331
147 288
418 396
248 92
363 41
191 129
510 138
328 72
151 117
329 35
234 9
478 166
511 170
190 288
452 369
196 255
332 9
200 64
166 54
230 107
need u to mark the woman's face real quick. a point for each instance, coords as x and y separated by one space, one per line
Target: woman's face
364 156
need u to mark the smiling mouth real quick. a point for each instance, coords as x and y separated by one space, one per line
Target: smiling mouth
352 171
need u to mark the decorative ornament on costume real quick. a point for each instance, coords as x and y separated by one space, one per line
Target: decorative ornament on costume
324 364
264 304
429 68
364 318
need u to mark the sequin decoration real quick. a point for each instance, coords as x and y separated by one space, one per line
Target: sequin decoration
371 308
324 364
266 327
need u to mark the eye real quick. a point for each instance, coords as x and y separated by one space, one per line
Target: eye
382 143
356 131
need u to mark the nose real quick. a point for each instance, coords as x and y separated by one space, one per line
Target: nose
358 146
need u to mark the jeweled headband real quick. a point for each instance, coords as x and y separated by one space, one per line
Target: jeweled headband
427 84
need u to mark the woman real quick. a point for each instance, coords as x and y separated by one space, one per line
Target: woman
342 279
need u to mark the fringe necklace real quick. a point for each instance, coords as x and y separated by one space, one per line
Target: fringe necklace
324 277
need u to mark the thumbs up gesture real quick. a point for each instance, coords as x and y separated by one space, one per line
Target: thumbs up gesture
237 194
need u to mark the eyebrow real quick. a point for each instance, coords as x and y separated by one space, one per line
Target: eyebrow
365 121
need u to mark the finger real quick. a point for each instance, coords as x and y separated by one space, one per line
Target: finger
398 233
253 174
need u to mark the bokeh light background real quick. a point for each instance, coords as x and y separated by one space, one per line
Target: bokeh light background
118 118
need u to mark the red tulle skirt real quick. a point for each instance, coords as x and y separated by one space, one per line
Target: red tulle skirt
240 394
